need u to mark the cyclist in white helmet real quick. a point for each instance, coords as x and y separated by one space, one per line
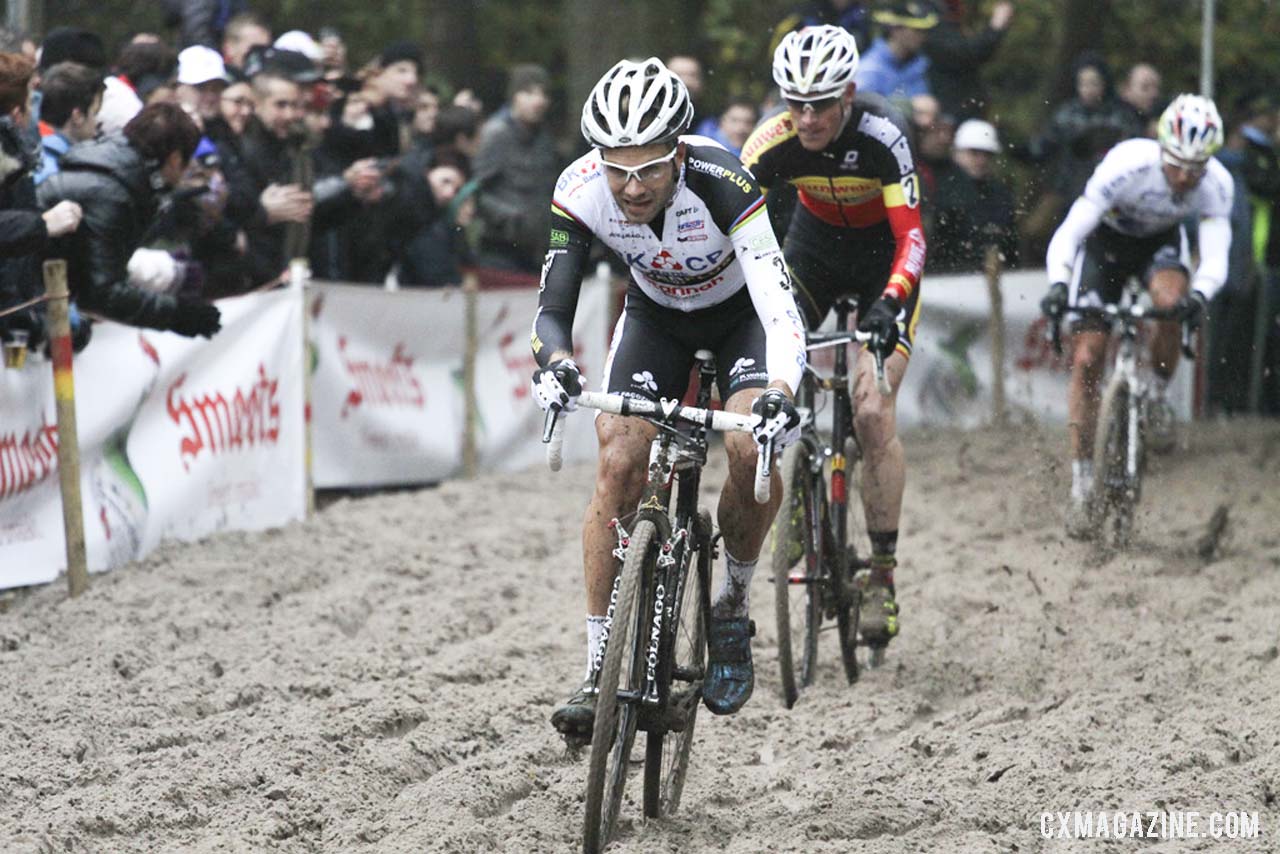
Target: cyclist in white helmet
1129 222
856 232
706 273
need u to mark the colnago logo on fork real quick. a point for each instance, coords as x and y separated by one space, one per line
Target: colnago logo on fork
655 636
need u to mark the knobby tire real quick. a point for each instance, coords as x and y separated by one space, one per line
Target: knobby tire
615 723
797 539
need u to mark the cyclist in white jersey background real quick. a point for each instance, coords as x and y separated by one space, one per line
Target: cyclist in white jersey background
706 273
1130 222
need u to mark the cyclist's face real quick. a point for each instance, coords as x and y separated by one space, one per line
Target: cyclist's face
819 122
1182 177
645 191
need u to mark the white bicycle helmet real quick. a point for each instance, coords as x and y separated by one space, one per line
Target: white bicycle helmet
1190 128
815 62
636 103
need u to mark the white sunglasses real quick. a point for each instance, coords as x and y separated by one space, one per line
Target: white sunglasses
645 173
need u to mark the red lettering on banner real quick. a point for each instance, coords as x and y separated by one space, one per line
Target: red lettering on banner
27 460
382 383
216 426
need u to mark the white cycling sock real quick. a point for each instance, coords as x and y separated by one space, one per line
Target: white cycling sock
595 638
1081 478
733 598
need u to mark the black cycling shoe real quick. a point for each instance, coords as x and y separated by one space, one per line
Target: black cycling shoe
730 677
578 714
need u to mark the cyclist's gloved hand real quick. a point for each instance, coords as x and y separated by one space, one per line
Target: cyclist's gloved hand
882 323
1191 308
776 419
558 384
196 318
1054 304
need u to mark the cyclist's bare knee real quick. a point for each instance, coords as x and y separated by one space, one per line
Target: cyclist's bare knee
1090 352
741 447
624 449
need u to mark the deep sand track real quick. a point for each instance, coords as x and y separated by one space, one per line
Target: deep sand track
379 678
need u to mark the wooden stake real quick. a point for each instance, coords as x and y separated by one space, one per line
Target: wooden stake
64 391
471 409
299 276
992 266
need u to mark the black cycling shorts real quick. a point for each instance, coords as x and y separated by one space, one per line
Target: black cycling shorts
1108 259
829 262
651 355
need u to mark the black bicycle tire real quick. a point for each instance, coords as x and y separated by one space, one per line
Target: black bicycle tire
663 787
600 815
1113 419
795 474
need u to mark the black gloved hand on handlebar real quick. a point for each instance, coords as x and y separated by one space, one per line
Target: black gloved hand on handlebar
558 384
1054 304
777 419
881 322
1191 309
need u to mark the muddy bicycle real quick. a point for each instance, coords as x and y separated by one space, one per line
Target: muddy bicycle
655 646
815 555
1120 441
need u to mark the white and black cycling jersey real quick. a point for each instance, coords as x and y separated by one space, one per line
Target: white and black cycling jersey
1130 195
712 240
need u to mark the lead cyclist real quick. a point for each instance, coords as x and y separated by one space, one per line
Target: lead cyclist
706 273
1129 222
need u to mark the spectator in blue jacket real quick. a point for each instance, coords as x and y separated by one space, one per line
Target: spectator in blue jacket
895 66
71 97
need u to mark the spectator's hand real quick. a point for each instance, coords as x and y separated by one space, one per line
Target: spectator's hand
286 203
62 218
365 179
1002 15
195 317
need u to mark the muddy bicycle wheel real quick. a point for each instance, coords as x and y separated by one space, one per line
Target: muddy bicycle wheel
614 731
667 752
1115 491
797 567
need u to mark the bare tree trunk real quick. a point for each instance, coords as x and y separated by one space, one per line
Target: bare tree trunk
1079 27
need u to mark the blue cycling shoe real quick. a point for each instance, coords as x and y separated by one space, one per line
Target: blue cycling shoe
730 677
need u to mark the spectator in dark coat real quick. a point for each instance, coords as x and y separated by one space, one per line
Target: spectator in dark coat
1141 91
956 57
118 181
436 254
973 208
517 167
25 233
243 33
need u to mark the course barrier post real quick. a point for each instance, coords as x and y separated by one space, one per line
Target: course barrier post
471 408
992 266
299 278
64 391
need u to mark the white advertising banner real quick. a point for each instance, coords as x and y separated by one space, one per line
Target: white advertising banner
949 380
387 392
179 438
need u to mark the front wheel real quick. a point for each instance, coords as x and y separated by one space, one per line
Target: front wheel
614 731
667 752
797 568
1118 462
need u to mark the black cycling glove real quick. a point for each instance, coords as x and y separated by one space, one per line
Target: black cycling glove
195 317
1054 304
882 323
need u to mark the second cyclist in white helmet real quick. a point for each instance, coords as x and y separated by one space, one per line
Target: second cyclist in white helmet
706 273
1129 222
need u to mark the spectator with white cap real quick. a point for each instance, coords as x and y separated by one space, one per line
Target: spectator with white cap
974 208
202 78
303 43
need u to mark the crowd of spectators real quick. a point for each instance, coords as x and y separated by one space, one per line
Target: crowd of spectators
181 170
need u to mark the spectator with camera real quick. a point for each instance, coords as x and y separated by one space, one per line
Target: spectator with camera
118 181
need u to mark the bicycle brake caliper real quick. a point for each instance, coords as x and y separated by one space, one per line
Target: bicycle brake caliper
624 540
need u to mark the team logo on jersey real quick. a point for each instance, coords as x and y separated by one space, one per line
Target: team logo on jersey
746 370
664 261
691 225
645 380
740 366
850 160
